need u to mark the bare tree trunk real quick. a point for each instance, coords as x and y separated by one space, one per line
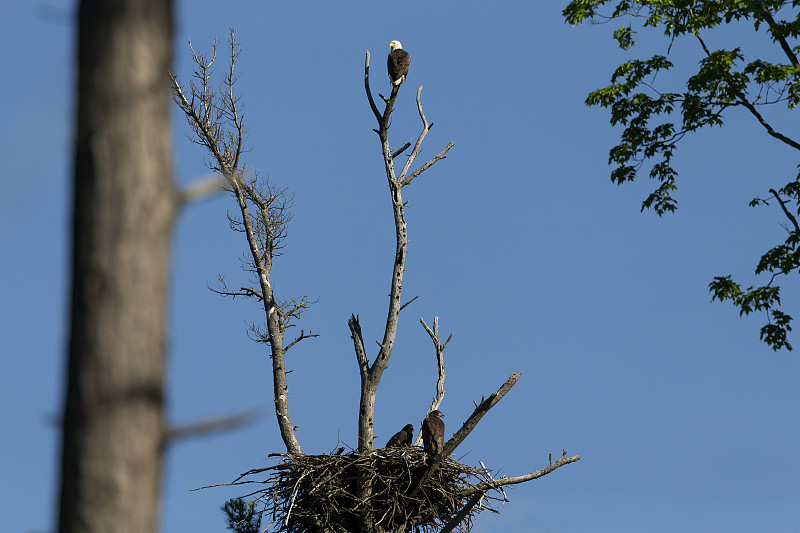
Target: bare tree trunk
124 206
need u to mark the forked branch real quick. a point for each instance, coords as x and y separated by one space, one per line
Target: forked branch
439 348
415 152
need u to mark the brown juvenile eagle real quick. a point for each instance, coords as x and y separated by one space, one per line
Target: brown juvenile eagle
402 437
433 433
397 63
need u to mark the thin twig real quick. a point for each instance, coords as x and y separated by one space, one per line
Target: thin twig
408 302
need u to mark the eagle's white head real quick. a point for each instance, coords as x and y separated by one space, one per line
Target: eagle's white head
395 45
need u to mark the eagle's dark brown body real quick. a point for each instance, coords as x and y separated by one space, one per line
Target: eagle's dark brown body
397 65
433 433
402 437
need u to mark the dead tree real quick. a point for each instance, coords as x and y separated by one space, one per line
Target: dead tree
367 490
123 211
216 119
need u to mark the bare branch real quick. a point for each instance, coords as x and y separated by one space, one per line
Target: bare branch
298 306
408 303
478 413
231 99
199 120
401 149
358 342
303 335
767 126
369 93
785 210
256 334
200 189
425 167
503 481
212 425
253 471
246 292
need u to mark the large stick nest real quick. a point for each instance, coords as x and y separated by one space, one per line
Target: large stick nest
319 493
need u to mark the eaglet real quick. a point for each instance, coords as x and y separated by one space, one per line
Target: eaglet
433 433
402 437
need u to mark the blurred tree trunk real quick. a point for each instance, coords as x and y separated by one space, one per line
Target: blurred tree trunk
124 206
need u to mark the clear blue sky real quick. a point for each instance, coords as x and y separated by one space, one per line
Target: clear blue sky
518 241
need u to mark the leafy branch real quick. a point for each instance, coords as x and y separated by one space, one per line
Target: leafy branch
723 81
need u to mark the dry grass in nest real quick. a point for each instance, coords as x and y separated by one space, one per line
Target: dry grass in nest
313 493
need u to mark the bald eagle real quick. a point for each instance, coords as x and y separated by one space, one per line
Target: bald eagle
397 63
402 437
433 433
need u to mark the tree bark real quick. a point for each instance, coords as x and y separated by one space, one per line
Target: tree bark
124 207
